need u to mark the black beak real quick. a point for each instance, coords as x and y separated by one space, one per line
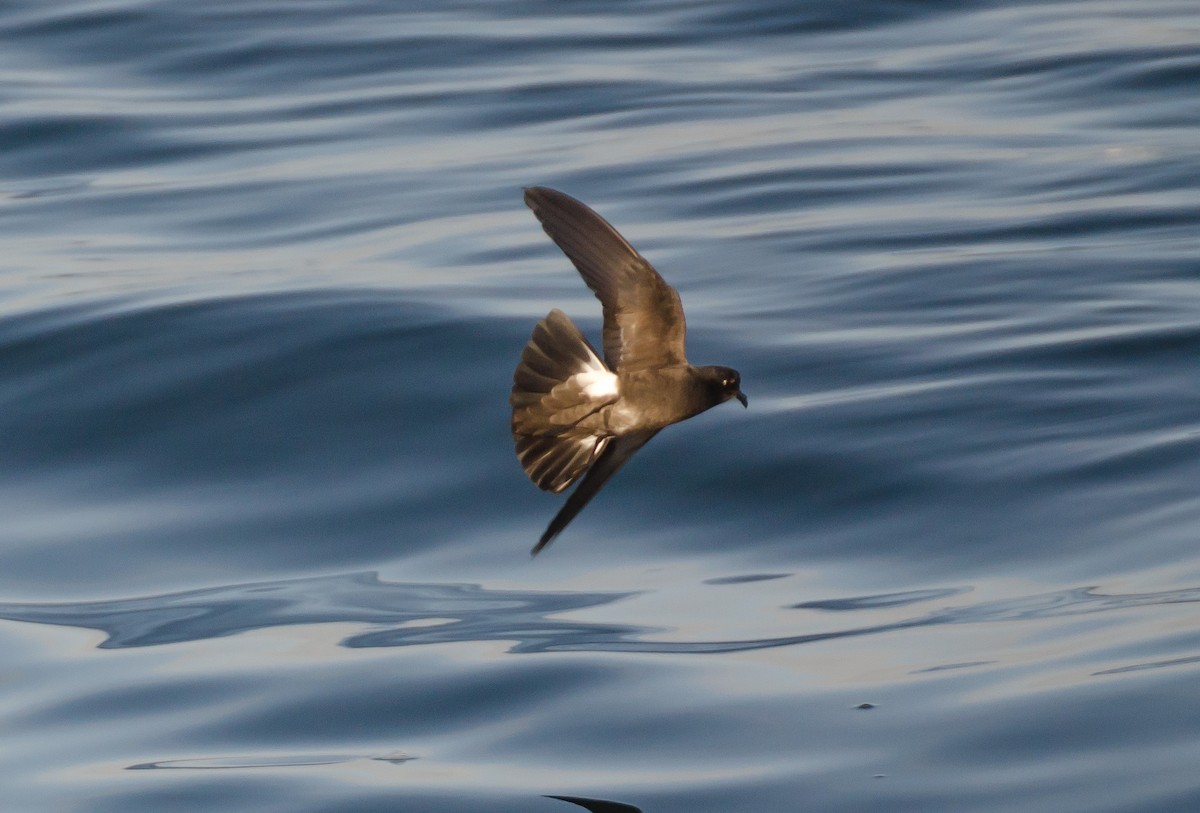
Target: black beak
741 396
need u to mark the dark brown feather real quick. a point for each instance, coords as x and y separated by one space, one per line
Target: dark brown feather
643 317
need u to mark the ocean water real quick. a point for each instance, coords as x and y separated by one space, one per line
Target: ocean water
265 273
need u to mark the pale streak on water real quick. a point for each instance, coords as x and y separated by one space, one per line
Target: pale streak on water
264 275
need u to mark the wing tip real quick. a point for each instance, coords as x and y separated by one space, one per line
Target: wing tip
539 198
536 195
542 543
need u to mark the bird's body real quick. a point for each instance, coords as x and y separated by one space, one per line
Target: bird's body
575 413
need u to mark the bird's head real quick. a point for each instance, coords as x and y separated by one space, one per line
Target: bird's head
726 383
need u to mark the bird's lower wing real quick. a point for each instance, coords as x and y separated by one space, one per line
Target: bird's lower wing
615 455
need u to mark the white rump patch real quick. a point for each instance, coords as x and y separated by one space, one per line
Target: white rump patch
596 385
595 380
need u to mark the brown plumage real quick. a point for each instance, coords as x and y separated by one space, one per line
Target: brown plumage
575 414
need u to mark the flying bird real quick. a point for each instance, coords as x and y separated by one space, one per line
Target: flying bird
574 415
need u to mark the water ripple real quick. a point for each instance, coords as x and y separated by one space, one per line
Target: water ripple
414 613
410 614
950 245
264 761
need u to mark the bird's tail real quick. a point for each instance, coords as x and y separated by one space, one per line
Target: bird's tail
559 382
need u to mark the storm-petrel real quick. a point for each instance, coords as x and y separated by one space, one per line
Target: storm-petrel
573 413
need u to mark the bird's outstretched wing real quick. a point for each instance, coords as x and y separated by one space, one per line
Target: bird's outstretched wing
643 317
615 455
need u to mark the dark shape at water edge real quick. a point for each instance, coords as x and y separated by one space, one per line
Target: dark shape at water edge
598 805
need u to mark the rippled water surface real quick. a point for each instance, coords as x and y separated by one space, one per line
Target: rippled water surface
265 273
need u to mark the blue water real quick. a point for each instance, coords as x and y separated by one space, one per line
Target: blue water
264 276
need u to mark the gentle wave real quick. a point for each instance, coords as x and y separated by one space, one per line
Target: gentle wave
427 614
265 273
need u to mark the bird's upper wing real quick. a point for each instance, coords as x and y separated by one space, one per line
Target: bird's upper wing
615 455
643 317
